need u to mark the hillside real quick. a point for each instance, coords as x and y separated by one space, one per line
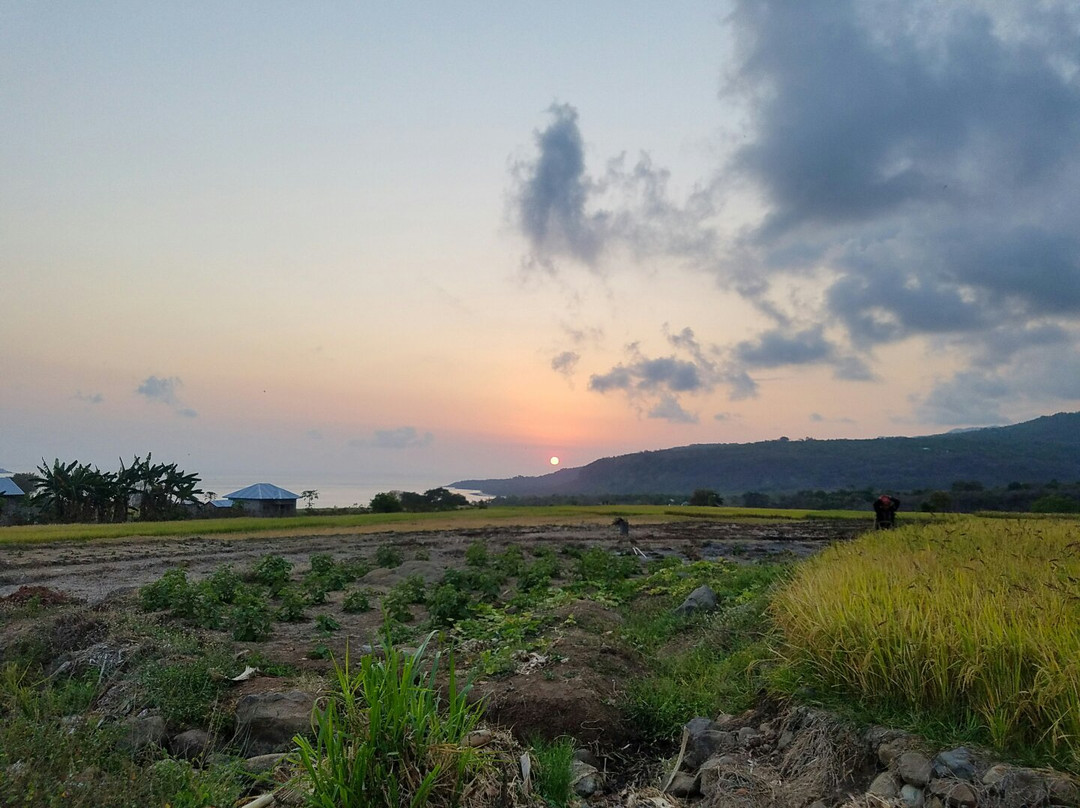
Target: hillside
1034 451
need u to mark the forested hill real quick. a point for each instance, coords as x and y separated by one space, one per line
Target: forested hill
1045 449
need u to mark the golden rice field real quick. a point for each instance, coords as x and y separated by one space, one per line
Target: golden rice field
974 621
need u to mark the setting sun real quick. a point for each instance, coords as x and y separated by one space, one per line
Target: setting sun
554 461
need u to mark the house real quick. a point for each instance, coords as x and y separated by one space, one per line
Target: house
9 489
264 499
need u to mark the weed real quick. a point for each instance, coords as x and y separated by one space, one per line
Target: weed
447 605
385 737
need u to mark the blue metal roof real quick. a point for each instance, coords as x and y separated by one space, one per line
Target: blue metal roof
262 491
9 489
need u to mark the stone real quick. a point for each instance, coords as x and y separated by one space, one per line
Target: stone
912 797
587 779
704 745
190 744
747 735
953 792
1062 789
996 775
700 724
884 785
588 756
261 764
787 737
914 768
702 599
267 722
890 750
956 763
683 785
143 731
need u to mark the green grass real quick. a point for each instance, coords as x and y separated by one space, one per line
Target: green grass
553 775
387 738
972 624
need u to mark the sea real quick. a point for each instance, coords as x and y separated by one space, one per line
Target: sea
333 492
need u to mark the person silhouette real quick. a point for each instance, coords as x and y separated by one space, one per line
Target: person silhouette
885 508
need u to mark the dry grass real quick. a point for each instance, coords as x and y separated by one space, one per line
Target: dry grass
974 621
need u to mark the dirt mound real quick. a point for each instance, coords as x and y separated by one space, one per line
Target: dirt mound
43 595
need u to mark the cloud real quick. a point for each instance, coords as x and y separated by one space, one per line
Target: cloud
165 391
565 362
913 163
89 398
669 409
566 213
405 437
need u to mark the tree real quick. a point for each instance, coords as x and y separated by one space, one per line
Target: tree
386 502
309 496
705 496
755 499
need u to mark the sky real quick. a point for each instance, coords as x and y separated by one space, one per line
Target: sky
453 240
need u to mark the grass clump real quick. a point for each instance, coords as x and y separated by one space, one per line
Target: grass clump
553 774
973 623
385 737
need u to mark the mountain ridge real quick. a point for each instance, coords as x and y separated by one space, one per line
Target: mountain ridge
1041 449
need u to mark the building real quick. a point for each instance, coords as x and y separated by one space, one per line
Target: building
264 499
9 489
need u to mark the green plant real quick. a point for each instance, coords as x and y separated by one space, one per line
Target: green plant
272 571
476 554
326 623
386 738
292 605
358 600
553 773
447 604
386 555
249 616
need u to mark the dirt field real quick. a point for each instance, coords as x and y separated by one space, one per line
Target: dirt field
96 570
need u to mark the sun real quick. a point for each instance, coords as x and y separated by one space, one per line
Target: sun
554 460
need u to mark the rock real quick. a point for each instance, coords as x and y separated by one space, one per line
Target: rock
588 756
956 763
702 599
587 779
995 775
912 797
261 764
787 737
953 792
704 745
190 744
683 785
747 735
914 768
934 802
267 722
700 724
884 786
143 731
1062 789
478 738
710 772
889 750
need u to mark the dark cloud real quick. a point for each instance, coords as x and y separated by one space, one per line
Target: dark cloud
165 391
916 159
775 348
564 212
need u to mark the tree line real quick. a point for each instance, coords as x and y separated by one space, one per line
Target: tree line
79 492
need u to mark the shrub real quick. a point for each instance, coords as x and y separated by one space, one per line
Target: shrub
249 616
292 605
476 554
447 605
